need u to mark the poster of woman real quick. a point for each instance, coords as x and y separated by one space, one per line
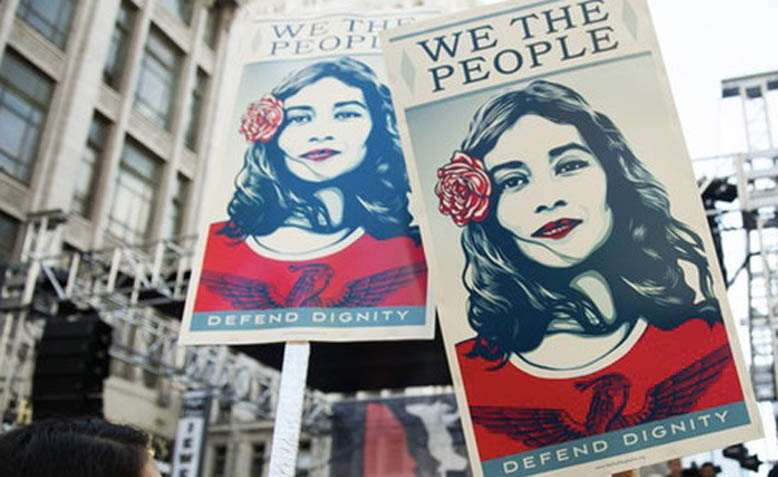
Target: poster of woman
310 235
585 321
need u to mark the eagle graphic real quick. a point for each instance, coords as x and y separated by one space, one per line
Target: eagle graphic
543 427
309 289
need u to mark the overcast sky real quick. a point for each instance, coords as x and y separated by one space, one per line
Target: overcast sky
705 41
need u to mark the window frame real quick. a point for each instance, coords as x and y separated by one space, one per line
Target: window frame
10 228
59 31
128 176
95 143
211 30
152 63
258 460
176 9
123 26
219 467
198 93
176 210
36 106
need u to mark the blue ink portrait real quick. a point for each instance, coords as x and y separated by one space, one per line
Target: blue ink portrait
578 277
319 220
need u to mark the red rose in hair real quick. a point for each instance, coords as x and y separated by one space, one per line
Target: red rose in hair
464 189
262 119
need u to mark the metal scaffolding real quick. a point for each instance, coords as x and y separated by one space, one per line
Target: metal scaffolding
753 220
140 291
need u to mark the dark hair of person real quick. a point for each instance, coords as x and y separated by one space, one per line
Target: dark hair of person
376 193
513 299
87 447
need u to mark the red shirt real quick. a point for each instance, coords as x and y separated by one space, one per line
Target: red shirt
362 258
656 356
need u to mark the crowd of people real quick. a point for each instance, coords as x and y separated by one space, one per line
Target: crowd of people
676 469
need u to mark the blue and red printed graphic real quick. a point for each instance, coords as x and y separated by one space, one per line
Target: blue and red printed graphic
319 233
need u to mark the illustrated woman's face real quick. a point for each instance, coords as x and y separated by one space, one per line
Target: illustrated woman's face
551 192
327 126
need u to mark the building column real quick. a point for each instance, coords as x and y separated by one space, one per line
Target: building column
7 15
113 148
182 104
217 110
81 86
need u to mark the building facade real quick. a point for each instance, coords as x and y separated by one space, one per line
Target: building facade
107 111
108 122
106 107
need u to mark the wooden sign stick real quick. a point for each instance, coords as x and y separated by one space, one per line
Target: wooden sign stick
289 412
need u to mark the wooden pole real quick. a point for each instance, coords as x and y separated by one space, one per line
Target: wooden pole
289 412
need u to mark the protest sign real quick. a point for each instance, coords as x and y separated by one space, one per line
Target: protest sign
585 319
309 233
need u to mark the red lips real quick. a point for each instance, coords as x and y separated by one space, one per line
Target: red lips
557 229
318 155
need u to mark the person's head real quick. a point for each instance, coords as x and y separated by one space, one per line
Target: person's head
709 470
675 467
339 129
568 195
76 448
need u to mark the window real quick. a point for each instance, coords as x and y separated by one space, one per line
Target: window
195 108
175 212
304 460
9 230
219 461
180 8
771 103
155 93
257 460
117 50
51 18
90 165
211 32
135 194
25 93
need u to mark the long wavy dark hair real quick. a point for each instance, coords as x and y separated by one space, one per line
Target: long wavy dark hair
513 299
376 193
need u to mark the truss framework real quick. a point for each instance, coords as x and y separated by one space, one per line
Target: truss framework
755 173
139 290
